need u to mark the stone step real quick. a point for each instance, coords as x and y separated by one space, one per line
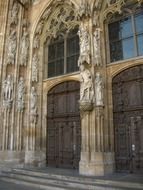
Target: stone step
30 184
46 180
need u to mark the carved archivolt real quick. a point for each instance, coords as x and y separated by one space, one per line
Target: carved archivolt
57 19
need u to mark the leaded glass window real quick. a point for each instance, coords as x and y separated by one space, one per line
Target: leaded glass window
126 37
63 53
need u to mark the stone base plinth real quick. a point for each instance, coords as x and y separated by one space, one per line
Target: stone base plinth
100 164
10 159
35 158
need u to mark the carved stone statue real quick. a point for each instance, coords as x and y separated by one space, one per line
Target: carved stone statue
96 19
7 91
84 45
35 62
33 105
14 13
99 90
20 94
24 48
36 42
97 52
40 28
86 88
12 44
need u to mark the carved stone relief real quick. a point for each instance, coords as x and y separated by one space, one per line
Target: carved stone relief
35 63
20 94
7 92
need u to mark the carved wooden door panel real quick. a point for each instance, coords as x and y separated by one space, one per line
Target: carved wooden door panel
63 126
128 119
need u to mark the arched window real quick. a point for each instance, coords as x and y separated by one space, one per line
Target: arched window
63 53
126 36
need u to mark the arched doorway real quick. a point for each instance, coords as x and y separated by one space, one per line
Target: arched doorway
63 126
128 119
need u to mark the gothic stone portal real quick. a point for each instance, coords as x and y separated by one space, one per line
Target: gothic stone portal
63 126
128 119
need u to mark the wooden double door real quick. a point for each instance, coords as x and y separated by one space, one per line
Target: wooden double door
63 126
128 119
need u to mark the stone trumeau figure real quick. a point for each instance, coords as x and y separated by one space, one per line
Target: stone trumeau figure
99 90
86 89
24 48
20 94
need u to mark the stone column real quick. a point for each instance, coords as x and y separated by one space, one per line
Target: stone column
96 159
